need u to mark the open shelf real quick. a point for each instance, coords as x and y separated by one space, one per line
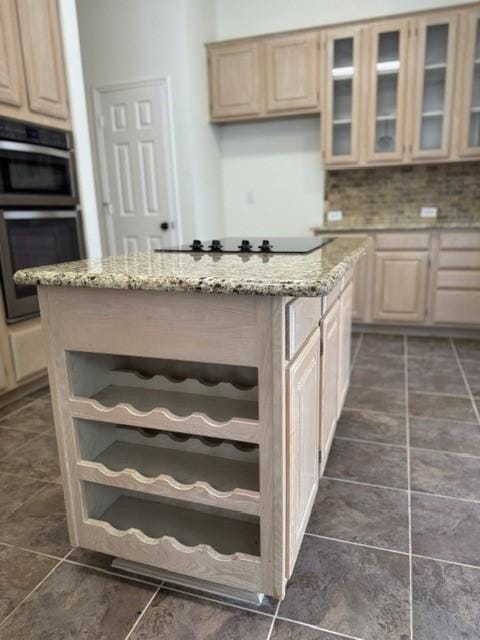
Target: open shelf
182 396
211 472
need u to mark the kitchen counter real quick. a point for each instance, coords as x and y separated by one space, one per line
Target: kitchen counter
312 274
395 225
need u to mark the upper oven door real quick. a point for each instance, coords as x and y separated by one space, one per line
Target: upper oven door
31 174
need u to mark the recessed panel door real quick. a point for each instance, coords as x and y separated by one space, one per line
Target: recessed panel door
138 173
468 99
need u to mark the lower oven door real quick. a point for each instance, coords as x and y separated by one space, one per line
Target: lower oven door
34 239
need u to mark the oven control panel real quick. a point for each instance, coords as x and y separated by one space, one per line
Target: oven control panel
31 134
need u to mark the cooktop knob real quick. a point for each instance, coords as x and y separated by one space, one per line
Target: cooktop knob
265 246
196 245
215 246
245 246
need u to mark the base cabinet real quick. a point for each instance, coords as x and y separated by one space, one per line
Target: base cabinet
329 380
346 304
302 437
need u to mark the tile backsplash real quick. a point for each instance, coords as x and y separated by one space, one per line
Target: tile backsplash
397 194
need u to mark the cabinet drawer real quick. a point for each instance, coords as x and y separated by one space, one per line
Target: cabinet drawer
401 241
457 307
303 316
459 260
458 279
28 351
470 240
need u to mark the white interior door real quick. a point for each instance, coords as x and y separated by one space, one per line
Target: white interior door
136 155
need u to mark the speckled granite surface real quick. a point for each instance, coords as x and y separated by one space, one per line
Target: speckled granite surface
311 274
355 224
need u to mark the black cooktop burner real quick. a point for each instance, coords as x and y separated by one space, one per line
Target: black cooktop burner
253 245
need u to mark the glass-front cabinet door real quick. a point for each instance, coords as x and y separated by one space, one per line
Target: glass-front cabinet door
387 64
341 113
434 61
469 95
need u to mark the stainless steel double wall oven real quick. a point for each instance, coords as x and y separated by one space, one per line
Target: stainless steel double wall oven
40 220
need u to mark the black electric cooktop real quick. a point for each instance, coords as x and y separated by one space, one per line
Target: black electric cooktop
252 245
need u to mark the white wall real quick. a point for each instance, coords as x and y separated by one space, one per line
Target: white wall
281 162
125 40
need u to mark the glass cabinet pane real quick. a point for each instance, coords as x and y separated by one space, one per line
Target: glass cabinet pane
342 108
387 70
434 85
474 125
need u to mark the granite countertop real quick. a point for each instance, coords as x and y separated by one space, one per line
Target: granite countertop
347 226
312 274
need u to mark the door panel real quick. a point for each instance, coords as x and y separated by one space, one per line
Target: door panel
235 80
341 111
137 167
329 380
11 73
43 58
434 58
468 99
346 304
400 286
292 72
388 67
303 430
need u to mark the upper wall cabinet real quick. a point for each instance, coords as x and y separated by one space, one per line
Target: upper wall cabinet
468 97
434 56
11 73
235 80
258 79
32 76
341 107
292 72
387 60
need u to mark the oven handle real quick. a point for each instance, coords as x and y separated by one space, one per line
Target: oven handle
33 148
38 215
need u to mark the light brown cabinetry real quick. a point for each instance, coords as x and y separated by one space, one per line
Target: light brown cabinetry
33 85
265 77
27 347
342 96
434 56
331 333
467 103
345 341
400 286
302 437
235 80
292 72
11 72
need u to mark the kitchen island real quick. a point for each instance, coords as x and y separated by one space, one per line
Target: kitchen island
192 394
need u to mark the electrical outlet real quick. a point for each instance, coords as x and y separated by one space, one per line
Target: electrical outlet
334 215
428 212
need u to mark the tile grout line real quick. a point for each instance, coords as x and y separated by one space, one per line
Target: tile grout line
400 415
317 628
409 490
357 351
270 631
465 380
372 442
356 544
127 576
37 586
364 484
25 406
402 446
42 554
419 392
453 562
144 611
32 478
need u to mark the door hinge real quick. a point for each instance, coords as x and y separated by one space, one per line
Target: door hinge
100 121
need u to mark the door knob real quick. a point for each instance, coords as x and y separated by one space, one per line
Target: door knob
164 226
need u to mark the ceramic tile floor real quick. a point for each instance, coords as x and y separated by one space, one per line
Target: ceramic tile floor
392 548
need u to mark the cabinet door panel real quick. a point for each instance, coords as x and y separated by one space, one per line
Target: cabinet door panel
346 304
341 112
457 307
235 80
468 99
400 286
292 72
434 58
329 380
303 429
388 62
11 78
42 53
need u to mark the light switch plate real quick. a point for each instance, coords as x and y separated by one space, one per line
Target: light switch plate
334 215
428 212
